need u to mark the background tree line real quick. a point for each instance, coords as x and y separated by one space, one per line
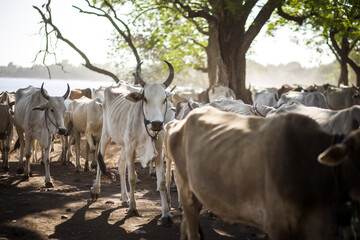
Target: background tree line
214 36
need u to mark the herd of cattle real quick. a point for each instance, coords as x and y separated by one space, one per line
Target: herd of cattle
288 164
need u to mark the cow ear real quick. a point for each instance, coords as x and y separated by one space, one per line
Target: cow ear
134 96
168 94
334 155
41 107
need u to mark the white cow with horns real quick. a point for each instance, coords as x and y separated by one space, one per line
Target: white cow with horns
134 117
39 117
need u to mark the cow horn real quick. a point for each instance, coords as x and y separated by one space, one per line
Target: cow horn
67 92
138 75
45 95
171 74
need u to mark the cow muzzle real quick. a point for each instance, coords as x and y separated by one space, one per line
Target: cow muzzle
157 126
63 131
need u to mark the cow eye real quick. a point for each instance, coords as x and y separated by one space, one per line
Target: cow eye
145 99
164 100
52 110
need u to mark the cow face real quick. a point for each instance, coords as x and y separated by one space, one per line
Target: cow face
54 110
153 99
346 153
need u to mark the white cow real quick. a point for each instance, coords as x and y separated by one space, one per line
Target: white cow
239 107
86 117
265 98
332 121
134 118
217 91
342 97
39 117
311 99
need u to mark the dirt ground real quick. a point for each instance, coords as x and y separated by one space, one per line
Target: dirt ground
66 211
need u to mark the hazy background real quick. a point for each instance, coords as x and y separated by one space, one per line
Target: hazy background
272 61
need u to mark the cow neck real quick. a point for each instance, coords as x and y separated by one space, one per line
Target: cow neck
47 117
147 121
342 210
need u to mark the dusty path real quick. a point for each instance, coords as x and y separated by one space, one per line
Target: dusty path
30 211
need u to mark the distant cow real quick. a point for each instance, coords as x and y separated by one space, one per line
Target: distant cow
217 90
239 107
286 88
86 117
332 121
311 99
38 116
78 93
134 118
265 98
342 97
283 175
6 127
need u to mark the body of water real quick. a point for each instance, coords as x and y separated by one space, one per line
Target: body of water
55 87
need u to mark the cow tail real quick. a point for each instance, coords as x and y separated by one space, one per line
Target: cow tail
16 146
103 169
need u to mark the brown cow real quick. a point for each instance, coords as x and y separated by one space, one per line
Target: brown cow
265 172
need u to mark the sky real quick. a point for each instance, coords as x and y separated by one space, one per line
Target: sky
20 40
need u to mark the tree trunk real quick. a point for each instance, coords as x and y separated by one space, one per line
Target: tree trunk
234 41
212 55
344 73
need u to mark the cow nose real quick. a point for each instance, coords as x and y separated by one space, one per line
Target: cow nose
157 126
63 131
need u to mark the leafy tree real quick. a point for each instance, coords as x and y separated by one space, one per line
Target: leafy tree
336 22
229 26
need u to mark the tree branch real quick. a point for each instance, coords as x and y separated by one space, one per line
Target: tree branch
298 19
48 22
259 22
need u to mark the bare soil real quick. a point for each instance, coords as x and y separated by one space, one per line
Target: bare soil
28 210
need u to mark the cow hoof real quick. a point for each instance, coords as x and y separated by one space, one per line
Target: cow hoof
49 185
94 196
20 171
166 221
6 168
30 174
42 163
133 212
86 169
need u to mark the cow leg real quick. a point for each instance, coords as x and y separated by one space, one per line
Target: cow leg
46 160
132 178
191 208
77 150
161 184
86 167
104 143
92 146
6 149
93 160
20 133
68 149
122 173
168 176
28 143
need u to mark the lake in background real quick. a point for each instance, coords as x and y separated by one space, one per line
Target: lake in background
55 87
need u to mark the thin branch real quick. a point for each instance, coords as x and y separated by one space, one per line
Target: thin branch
48 21
298 19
